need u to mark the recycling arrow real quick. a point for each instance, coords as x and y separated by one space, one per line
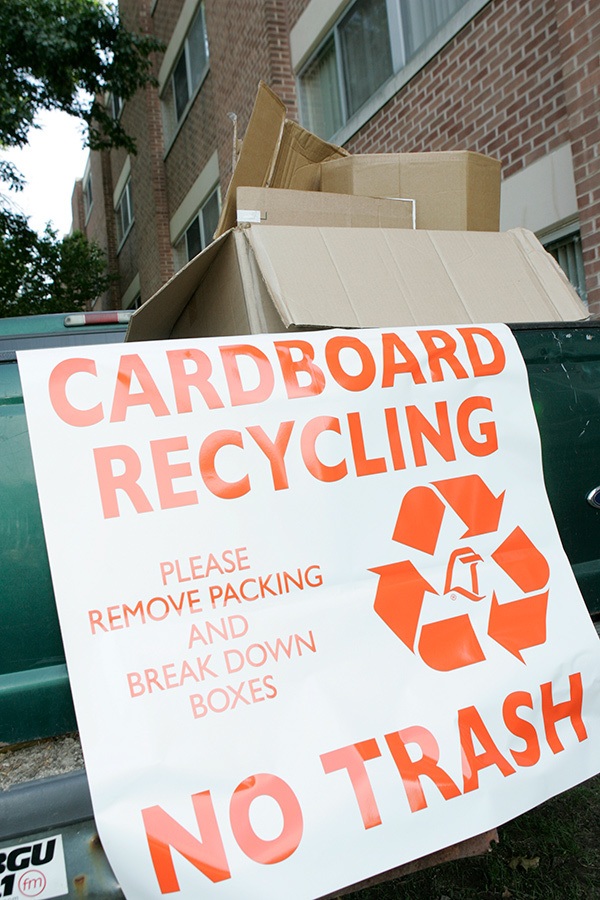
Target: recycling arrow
450 644
522 562
472 500
518 624
399 598
419 520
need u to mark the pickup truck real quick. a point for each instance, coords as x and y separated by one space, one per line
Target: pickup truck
37 720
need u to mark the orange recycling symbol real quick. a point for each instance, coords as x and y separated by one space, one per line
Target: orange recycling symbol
450 641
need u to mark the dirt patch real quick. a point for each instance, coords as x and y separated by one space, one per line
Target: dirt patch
39 759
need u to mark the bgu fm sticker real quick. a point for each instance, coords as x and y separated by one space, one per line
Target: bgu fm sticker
452 641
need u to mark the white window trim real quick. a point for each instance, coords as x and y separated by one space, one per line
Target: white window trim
114 100
87 176
122 181
117 202
171 57
186 17
131 293
193 200
317 21
180 248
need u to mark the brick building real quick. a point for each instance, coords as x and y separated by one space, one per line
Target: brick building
515 79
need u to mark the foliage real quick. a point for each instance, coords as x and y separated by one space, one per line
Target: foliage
45 274
68 55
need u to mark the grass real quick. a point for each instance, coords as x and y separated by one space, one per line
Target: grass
549 853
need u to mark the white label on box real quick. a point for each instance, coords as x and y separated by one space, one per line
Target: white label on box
33 869
249 215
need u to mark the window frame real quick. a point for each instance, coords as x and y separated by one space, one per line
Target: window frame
172 120
125 200
180 246
116 106
306 52
558 237
88 196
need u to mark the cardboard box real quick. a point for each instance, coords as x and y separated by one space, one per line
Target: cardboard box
259 280
276 152
456 191
276 206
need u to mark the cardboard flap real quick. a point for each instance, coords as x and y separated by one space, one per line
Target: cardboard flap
156 317
360 277
255 162
545 266
275 152
296 165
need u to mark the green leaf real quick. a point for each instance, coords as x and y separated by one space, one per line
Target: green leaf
44 274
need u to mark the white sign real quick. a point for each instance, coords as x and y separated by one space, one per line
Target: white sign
34 869
317 616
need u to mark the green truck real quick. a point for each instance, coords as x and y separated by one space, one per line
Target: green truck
36 710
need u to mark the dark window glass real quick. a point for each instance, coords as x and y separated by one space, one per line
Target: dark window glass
193 239
180 86
366 51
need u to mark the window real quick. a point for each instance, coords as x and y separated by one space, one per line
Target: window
124 213
87 195
199 232
189 71
116 106
320 96
420 20
371 41
566 250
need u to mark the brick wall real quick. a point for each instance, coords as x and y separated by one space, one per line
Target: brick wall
521 79
495 88
94 223
249 42
114 291
281 77
195 143
147 249
77 207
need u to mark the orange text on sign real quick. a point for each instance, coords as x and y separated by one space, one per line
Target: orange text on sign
327 447
415 754
221 378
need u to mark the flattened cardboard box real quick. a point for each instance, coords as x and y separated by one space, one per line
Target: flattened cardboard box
456 191
276 206
267 280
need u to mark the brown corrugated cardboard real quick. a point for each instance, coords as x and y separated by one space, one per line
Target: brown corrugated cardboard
456 191
276 152
276 206
256 279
